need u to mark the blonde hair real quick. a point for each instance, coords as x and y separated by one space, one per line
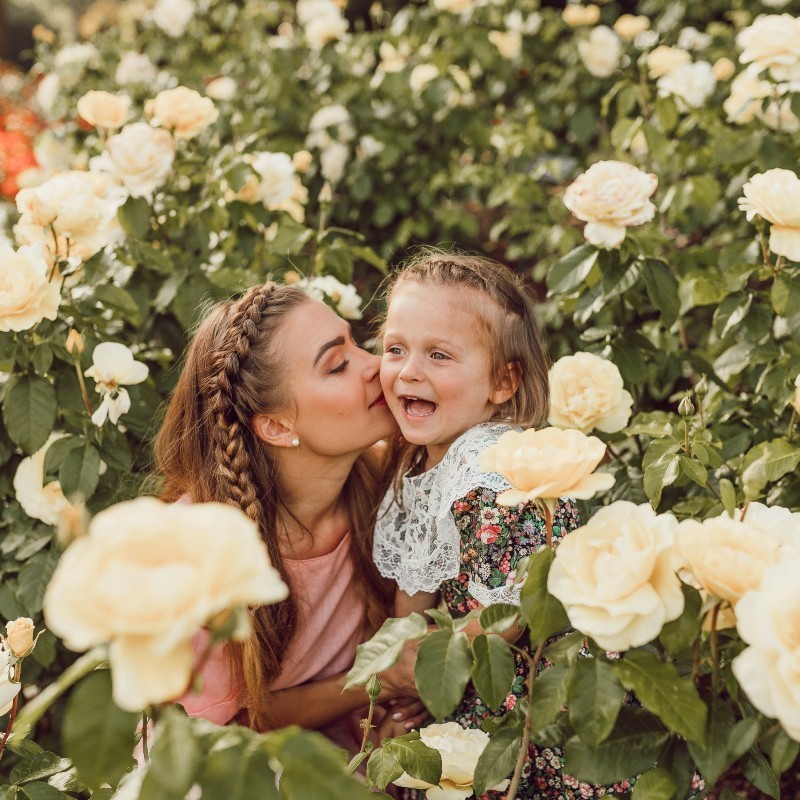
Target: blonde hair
207 448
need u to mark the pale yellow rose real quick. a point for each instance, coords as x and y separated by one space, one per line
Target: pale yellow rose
779 116
454 6
183 111
725 556
145 578
140 156
601 51
39 501
768 619
421 76
723 69
27 295
295 204
135 68
744 102
301 161
663 59
611 196
775 196
772 42
587 392
617 575
174 16
629 26
104 109
574 14
19 636
9 689
690 84
460 749
795 400
776 521
324 29
80 206
273 181
546 464
508 43
221 88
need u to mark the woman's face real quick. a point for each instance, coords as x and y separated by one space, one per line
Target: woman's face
337 403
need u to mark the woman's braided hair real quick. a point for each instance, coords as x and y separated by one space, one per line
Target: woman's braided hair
207 449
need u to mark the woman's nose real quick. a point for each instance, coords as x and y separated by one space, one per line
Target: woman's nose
372 366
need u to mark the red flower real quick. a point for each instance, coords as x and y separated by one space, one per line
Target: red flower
489 533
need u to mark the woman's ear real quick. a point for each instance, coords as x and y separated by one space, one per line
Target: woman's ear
274 431
507 384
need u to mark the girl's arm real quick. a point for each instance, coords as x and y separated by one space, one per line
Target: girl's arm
405 604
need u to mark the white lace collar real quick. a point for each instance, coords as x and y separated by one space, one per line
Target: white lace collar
416 540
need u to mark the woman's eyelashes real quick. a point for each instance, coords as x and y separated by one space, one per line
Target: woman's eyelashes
341 368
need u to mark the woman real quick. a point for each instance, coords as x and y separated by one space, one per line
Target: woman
276 412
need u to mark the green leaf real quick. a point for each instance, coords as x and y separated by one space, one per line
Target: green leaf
441 618
442 671
29 412
238 773
549 695
384 648
661 468
33 579
98 736
655 784
693 470
679 634
382 769
134 216
43 791
416 758
544 614
175 759
730 312
565 649
767 462
569 272
727 492
497 761
38 767
498 617
662 289
493 669
80 472
711 755
782 750
594 699
758 771
661 690
118 299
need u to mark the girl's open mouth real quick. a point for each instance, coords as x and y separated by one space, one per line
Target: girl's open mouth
416 407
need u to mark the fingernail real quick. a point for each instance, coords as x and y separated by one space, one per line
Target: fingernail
409 726
397 715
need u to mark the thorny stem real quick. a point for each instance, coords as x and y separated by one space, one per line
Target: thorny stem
548 522
790 429
367 723
14 707
714 649
77 362
764 249
145 744
744 511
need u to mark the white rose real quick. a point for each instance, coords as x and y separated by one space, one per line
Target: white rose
460 749
113 367
546 464
779 116
617 575
601 52
508 43
392 60
772 42
135 68
8 689
27 296
776 521
326 28
629 26
45 503
587 392
308 10
611 196
47 91
725 556
273 182
334 116
795 401
80 206
332 161
104 109
664 59
221 88
421 76
690 84
369 147
343 296
691 39
196 562
575 14
183 111
140 157
453 6
747 90
173 16
775 196
768 619
295 204
76 55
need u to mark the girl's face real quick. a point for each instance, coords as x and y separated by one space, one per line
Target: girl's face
435 366
338 405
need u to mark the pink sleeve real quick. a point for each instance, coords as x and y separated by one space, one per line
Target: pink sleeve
218 698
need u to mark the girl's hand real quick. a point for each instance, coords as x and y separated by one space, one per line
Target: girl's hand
398 681
402 715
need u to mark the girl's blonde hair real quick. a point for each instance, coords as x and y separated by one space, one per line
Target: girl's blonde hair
510 323
207 449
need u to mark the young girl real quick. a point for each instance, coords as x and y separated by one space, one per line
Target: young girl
464 361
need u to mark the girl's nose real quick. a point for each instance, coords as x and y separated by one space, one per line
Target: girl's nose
410 372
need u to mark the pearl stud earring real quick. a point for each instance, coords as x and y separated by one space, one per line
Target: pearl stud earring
295 442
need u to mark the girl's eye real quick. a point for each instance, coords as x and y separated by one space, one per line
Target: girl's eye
394 351
437 356
340 368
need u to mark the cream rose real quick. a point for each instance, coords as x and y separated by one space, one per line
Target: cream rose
104 109
587 392
421 76
19 636
81 207
326 28
26 295
546 464
344 296
723 69
45 503
460 749
326 118
629 26
779 116
601 52
772 42
663 59
273 182
775 196
221 88
776 521
140 156
795 399
611 196
183 111
135 68
747 90
768 619
725 556
8 689
195 561
617 575
454 6
575 14
508 43
690 84
173 16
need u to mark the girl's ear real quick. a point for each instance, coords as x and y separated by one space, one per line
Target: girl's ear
507 384
274 431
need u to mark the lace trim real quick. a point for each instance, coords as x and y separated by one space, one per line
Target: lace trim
503 594
416 540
